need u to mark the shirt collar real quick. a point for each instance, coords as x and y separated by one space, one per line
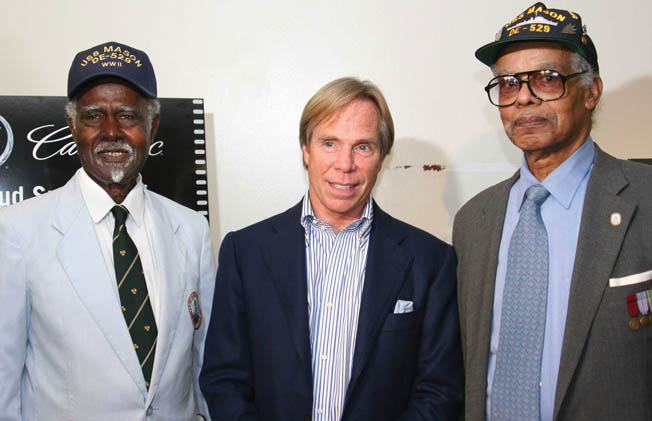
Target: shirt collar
99 203
564 182
363 224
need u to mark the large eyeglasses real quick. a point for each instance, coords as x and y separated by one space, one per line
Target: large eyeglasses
545 85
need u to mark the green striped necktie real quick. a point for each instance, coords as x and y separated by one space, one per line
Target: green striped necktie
134 298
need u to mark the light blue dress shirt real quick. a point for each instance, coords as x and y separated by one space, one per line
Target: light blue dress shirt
562 215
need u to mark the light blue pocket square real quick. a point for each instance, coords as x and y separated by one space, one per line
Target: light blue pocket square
403 307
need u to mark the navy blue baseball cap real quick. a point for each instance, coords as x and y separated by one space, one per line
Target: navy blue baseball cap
538 23
112 59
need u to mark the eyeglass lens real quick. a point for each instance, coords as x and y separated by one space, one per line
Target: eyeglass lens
544 84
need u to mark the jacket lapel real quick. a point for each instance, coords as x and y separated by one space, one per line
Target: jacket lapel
285 256
81 257
476 294
171 258
593 265
385 273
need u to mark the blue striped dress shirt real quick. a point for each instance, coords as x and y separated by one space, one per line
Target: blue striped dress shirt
335 265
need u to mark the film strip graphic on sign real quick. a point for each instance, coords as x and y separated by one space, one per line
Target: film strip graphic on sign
199 141
37 153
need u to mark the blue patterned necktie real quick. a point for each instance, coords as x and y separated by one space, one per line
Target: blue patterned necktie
515 393
134 298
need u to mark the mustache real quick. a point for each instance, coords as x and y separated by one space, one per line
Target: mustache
529 115
113 147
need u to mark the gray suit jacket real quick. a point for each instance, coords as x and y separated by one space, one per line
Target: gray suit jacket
66 350
606 369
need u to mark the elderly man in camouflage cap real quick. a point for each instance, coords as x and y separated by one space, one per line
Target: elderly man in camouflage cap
554 273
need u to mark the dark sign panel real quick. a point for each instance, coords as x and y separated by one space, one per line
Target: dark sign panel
37 153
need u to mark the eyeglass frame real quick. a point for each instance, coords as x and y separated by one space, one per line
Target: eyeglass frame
527 82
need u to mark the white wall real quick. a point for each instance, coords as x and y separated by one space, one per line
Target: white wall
256 63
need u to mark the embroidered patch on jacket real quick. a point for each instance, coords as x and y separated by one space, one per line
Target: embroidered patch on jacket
194 310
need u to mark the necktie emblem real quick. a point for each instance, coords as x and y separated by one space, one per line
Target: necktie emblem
134 298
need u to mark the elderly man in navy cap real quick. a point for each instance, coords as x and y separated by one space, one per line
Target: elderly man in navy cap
555 263
105 284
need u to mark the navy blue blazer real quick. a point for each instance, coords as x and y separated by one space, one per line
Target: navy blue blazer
257 360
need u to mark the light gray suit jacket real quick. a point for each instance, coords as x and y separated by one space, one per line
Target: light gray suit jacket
65 351
606 369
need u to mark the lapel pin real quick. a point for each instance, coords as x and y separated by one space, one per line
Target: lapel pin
616 219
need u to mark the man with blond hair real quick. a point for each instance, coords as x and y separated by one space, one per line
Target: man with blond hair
333 309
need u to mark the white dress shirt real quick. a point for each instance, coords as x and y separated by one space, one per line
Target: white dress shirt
140 226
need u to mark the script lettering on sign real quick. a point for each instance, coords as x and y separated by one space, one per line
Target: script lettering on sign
43 140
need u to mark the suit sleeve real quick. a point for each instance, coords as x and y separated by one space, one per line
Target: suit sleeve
226 378
438 391
14 322
206 286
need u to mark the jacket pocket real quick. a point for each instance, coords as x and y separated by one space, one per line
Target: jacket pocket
402 321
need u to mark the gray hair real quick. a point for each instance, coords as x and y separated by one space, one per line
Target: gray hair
581 64
151 108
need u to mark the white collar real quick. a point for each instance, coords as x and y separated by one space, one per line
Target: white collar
99 203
